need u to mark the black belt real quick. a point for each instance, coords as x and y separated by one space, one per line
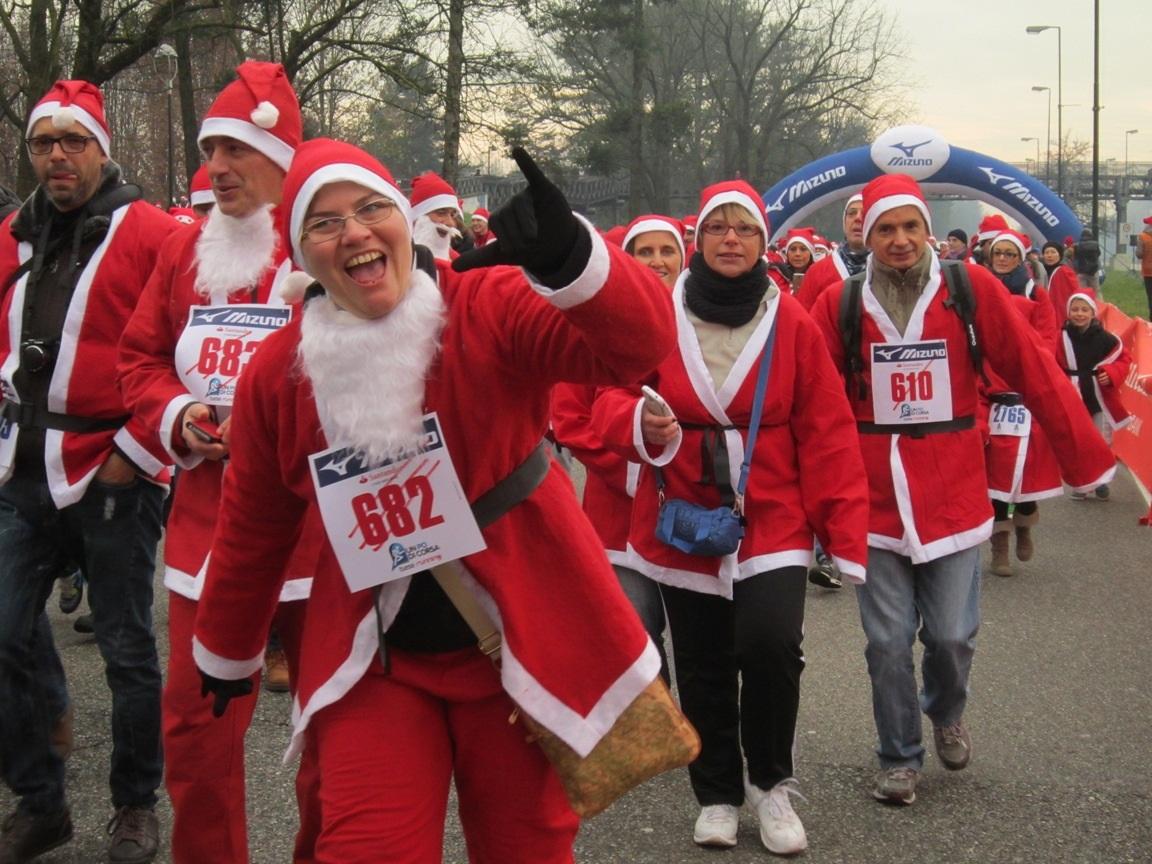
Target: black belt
513 488
917 430
34 417
1006 398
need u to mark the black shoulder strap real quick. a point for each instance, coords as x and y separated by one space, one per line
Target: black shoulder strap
963 301
426 261
851 311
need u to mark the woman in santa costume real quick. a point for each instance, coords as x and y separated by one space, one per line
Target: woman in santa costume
737 620
212 299
1021 466
376 405
656 242
1097 362
799 254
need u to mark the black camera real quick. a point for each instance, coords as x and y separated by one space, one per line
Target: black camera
36 355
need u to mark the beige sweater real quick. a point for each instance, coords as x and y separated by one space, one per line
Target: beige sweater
897 291
721 344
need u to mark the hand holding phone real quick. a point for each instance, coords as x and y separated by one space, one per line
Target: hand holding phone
205 431
655 403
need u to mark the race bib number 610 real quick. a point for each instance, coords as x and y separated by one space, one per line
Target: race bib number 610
389 520
911 382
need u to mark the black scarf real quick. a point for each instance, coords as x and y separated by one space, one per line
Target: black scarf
853 261
1015 280
721 300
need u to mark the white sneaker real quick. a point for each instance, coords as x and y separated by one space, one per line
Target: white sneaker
716 826
781 830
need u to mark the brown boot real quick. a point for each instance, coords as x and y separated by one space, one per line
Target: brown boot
1024 523
275 671
1001 564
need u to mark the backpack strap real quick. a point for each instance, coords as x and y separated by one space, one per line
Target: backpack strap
963 301
851 311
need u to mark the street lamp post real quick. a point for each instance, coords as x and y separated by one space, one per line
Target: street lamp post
1047 136
1040 28
1127 133
1037 140
1096 119
169 56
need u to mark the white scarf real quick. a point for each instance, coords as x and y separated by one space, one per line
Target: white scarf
368 374
233 252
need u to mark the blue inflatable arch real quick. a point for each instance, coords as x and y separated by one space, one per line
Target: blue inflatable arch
940 169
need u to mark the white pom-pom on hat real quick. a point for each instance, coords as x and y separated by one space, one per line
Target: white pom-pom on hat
63 117
294 286
265 115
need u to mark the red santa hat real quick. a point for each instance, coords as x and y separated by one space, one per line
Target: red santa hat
804 236
482 214
1087 298
889 191
734 192
991 226
259 108
615 235
185 215
1020 241
431 192
200 189
1148 220
68 102
689 221
319 163
654 222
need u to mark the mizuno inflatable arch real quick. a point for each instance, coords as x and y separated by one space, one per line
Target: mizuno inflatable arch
940 169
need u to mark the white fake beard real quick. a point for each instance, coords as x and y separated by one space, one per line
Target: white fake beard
368 374
438 238
233 252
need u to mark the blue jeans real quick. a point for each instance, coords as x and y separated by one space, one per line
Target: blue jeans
112 532
940 602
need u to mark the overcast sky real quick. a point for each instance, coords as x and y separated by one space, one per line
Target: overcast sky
971 68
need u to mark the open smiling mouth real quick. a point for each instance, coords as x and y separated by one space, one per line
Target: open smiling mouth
367 267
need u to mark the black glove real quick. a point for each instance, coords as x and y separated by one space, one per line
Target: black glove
224 691
534 230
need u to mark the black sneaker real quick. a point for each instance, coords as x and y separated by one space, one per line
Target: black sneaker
71 591
83 624
25 836
824 574
135 835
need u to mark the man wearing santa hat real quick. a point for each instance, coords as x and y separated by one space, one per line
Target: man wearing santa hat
435 211
913 388
848 258
80 482
213 297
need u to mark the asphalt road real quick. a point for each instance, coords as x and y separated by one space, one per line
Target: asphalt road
1060 718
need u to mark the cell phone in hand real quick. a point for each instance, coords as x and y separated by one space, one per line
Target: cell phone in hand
655 403
205 431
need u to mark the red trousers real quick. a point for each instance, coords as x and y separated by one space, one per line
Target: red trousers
388 750
204 755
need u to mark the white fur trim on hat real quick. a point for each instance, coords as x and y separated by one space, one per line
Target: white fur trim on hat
732 196
648 225
77 115
250 134
1087 298
201 196
803 241
857 198
265 115
436 202
294 286
337 172
891 202
1007 237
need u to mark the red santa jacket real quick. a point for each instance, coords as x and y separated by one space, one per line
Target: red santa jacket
83 383
574 653
153 390
610 484
1062 284
820 276
1020 467
806 474
929 496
